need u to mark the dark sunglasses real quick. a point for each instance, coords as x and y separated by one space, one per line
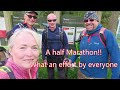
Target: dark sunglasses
30 16
52 20
91 20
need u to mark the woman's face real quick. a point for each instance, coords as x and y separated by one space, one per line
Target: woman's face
25 51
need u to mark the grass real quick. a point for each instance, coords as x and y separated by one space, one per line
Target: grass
72 72
109 73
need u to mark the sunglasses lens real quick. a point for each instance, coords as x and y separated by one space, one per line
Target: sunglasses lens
85 20
34 17
52 20
49 20
30 16
91 20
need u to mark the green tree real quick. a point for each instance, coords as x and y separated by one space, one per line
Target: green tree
113 21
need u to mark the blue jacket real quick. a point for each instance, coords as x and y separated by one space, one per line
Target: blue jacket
53 41
19 25
94 44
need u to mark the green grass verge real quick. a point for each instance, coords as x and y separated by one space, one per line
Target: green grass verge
72 72
109 73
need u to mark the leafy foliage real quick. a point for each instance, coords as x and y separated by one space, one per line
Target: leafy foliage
105 18
1 14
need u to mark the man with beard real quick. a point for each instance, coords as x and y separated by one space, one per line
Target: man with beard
94 38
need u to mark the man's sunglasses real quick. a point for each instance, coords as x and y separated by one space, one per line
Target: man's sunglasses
52 20
91 20
30 16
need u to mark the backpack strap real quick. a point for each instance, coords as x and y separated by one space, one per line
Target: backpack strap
102 37
83 34
8 71
33 28
61 35
46 35
21 25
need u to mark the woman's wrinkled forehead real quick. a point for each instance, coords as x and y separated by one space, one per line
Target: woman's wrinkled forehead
24 34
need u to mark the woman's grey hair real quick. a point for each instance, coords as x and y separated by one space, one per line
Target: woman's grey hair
23 30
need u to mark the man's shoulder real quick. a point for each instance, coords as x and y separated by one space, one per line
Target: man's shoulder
107 32
18 25
45 30
15 27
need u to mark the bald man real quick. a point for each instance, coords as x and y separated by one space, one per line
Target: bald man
54 40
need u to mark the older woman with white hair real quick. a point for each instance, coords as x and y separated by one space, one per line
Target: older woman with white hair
24 50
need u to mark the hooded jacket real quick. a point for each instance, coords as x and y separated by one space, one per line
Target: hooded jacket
97 63
18 72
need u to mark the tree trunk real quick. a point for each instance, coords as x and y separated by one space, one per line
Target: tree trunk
8 19
58 14
113 21
8 22
99 13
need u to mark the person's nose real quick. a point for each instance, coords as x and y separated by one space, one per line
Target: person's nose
89 21
33 18
29 52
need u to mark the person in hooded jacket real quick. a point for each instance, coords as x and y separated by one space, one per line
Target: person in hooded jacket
96 64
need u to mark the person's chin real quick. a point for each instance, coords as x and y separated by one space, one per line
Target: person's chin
27 66
52 26
89 29
31 23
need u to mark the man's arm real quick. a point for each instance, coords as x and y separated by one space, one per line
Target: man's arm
10 33
114 52
65 42
44 46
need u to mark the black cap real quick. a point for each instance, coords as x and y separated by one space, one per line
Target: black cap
31 12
